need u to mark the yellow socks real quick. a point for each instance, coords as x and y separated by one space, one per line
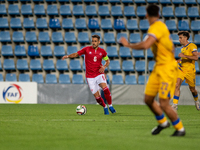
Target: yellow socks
178 125
195 97
175 99
161 119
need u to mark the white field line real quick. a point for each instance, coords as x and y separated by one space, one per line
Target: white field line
86 120
76 120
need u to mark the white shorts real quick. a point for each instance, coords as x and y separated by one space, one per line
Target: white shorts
94 82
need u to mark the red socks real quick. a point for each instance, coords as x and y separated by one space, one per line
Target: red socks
107 95
100 101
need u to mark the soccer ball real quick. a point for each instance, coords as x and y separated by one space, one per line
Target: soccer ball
81 110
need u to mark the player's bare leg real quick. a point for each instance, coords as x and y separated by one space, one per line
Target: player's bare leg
172 115
156 109
162 120
195 96
100 100
169 111
177 94
153 105
107 95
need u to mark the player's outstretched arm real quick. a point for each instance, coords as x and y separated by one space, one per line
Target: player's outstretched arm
73 55
139 46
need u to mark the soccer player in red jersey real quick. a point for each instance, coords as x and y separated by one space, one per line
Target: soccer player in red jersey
95 71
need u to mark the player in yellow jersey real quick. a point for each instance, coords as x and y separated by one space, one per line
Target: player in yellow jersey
186 68
162 80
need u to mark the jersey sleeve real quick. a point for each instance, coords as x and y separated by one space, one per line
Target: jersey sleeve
193 48
153 31
82 51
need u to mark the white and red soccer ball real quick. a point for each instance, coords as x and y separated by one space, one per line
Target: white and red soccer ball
81 110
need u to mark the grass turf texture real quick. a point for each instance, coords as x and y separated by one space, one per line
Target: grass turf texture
46 127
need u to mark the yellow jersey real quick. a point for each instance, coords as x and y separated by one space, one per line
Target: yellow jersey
163 48
188 50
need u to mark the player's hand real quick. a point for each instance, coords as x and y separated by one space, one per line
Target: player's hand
181 55
101 70
123 41
64 57
179 60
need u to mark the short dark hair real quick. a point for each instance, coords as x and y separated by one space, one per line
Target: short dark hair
184 33
152 10
96 36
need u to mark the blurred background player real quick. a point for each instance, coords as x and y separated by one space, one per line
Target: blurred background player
94 71
186 68
163 78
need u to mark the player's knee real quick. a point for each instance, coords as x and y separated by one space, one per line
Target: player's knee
192 89
96 95
148 101
163 106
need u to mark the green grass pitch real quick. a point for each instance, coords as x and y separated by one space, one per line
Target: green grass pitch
58 127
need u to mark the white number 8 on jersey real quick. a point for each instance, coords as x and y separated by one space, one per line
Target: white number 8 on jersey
95 58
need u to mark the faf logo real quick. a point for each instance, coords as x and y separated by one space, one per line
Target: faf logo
13 94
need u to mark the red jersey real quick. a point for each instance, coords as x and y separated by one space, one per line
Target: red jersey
93 59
